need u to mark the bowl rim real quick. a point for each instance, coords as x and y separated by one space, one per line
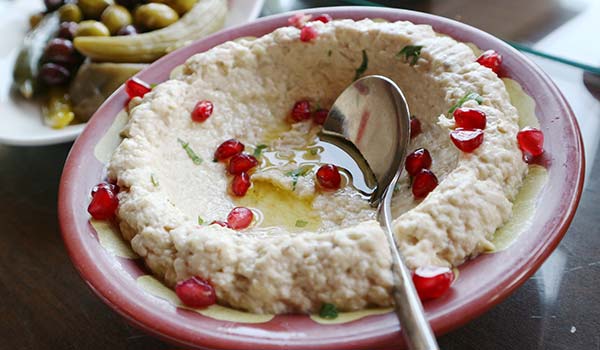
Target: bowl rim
141 316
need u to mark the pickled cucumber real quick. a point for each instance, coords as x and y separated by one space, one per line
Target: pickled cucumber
27 66
206 17
95 82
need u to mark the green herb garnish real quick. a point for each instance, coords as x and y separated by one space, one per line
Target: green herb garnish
329 53
363 66
469 96
153 180
313 151
190 152
410 52
301 223
153 85
328 311
258 150
200 220
296 173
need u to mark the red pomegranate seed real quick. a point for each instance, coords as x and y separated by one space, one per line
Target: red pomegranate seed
416 161
467 140
432 282
299 20
240 184
220 223
531 141
196 292
325 18
202 111
301 111
111 187
490 59
308 33
135 87
415 127
241 163
239 218
423 183
320 116
469 118
328 177
229 149
104 203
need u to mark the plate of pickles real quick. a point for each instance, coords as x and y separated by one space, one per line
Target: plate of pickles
60 59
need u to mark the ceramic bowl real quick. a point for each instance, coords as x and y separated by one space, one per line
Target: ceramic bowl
483 282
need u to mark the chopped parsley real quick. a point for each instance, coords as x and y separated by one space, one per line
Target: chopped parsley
258 150
469 96
313 151
190 152
301 223
410 52
296 173
329 53
363 66
328 311
200 220
153 180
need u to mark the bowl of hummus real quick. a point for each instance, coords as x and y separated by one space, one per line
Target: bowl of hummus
201 205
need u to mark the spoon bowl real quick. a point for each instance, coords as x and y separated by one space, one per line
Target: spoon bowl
370 121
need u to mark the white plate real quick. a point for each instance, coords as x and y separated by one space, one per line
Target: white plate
21 121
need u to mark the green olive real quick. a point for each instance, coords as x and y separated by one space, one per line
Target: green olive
155 16
116 17
92 9
181 6
91 28
70 13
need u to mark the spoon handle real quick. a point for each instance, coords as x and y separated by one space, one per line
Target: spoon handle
415 327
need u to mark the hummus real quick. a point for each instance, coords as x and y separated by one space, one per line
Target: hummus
309 247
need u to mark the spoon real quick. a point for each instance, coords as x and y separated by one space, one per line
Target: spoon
370 121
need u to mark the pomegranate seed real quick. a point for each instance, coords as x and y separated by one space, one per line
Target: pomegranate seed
469 118
490 59
299 20
104 203
467 140
423 183
135 87
196 292
110 187
228 149
325 18
328 177
531 141
202 111
239 218
301 111
241 163
416 161
308 33
220 223
320 116
415 127
432 282
240 184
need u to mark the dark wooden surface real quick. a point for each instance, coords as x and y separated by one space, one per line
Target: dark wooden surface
44 303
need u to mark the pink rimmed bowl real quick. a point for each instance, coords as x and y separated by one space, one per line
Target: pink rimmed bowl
483 283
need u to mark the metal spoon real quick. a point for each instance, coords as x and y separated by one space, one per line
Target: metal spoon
370 121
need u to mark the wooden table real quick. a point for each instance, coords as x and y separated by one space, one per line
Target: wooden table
46 305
